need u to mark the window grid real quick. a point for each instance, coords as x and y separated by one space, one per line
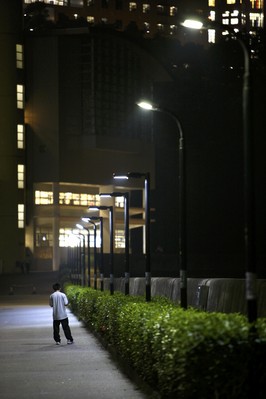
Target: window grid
19 56
119 239
20 137
21 176
21 216
20 96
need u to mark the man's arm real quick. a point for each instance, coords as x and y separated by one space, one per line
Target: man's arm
51 301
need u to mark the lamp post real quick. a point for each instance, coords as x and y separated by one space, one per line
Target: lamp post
126 223
111 231
248 179
81 255
88 252
95 218
146 176
181 203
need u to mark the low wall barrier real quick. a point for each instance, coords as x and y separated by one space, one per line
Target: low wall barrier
211 295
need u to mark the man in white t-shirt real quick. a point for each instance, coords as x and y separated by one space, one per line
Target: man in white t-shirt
58 301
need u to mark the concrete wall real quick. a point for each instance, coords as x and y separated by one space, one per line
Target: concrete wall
212 295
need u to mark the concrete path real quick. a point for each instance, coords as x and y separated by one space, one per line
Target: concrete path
33 367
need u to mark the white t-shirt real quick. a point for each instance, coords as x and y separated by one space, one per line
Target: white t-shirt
58 302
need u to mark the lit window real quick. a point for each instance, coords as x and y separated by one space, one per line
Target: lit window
71 237
104 20
21 216
54 2
256 19
90 20
146 8
119 239
160 9
20 96
119 202
21 176
132 6
173 29
19 56
234 21
79 199
146 27
212 15
211 3
231 1
20 137
211 35
76 3
173 11
43 197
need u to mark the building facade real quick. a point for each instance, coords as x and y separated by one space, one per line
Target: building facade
69 121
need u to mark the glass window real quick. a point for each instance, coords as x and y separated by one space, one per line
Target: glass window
90 20
20 96
146 8
231 1
119 202
21 216
132 6
211 35
20 137
146 27
211 3
160 9
173 29
19 56
160 27
43 237
21 176
43 197
119 239
173 11
212 15
71 237
76 3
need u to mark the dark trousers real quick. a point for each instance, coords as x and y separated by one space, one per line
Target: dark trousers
66 330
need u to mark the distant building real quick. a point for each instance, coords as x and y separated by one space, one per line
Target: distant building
70 121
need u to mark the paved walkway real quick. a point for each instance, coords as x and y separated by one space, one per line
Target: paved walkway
33 367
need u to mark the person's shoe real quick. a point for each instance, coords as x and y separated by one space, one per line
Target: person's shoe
58 343
70 342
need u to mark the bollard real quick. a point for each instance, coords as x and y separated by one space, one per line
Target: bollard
11 291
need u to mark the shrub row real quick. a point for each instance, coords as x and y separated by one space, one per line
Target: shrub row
180 353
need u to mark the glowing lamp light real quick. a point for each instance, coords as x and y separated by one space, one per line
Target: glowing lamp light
192 24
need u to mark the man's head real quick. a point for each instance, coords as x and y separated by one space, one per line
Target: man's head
56 287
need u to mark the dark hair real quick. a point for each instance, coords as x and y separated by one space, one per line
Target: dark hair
56 286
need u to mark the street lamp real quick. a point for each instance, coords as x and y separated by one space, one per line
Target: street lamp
94 252
182 200
248 174
146 175
126 223
111 232
98 218
88 252
81 254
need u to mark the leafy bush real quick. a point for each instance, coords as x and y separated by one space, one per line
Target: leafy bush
182 353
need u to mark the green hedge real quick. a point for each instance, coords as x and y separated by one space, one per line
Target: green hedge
182 354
